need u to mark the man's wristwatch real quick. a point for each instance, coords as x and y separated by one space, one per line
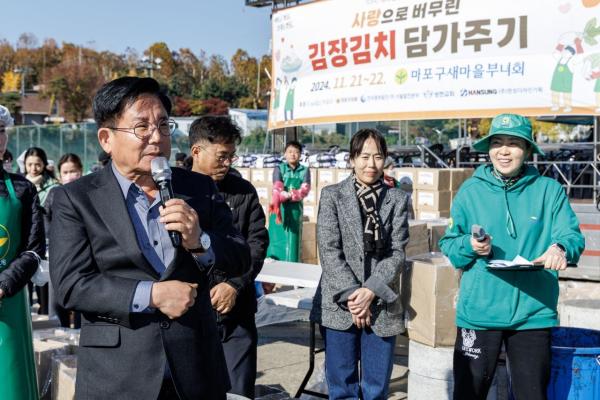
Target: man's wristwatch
204 243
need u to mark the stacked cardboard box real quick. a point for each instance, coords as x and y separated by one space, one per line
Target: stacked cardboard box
418 239
310 254
429 291
262 179
434 190
245 173
437 229
432 196
342 174
64 371
47 344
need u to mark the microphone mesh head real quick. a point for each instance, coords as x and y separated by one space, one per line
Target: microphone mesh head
160 169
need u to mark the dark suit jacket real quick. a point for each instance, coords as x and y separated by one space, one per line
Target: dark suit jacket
96 265
249 218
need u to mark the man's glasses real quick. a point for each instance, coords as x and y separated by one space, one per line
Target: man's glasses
144 130
232 158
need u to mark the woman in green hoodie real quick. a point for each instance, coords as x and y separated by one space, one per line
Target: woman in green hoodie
524 214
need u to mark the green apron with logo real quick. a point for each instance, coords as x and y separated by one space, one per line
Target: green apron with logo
285 238
562 79
17 369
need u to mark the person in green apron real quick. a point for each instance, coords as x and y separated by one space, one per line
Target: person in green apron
291 184
21 244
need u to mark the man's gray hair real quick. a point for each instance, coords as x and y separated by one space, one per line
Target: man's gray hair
5 116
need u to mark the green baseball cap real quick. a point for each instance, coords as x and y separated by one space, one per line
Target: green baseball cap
510 125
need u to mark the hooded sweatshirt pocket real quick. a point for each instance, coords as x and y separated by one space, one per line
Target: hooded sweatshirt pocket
488 299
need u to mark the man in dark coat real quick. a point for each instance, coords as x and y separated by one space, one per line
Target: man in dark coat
148 330
213 145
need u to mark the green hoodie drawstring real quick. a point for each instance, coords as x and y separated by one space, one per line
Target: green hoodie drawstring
507 183
510 225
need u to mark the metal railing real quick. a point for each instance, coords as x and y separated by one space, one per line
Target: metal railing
57 140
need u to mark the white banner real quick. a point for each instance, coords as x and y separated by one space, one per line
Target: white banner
375 60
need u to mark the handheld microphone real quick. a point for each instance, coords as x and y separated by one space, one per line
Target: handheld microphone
161 174
478 233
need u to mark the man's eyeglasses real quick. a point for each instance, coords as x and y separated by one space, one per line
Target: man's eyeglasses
144 130
232 158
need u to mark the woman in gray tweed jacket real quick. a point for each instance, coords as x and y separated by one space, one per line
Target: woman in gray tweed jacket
362 230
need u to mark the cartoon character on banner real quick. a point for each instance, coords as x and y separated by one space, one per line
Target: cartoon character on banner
289 66
276 98
591 63
568 47
289 100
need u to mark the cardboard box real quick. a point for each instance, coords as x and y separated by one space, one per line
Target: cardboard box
457 177
430 289
261 176
407 178
311 197
432 215
314 261
342 174
417 232
430 200
467 173
433 179
264 193
326 176
418 239
64 371
309 243
452 194
314 177
44 350
245 173
309 231
309 251
310 212
437 229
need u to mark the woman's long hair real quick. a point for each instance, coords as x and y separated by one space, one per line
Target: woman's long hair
38 152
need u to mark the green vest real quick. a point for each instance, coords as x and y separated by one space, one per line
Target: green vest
17 368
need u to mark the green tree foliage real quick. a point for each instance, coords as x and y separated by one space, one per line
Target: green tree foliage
229 90
12 102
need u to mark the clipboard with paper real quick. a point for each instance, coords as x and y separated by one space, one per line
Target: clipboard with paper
518 263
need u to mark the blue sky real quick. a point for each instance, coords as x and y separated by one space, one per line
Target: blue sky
216 26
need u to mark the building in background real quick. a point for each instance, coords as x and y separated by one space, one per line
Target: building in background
36 110
248 119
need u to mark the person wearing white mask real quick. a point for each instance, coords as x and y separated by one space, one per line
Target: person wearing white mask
70 169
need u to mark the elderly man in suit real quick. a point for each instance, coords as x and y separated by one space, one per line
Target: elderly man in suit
148 329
